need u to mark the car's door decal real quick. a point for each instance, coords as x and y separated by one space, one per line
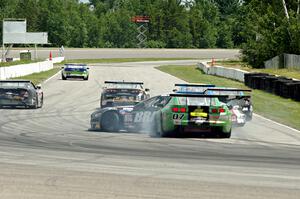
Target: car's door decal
143 116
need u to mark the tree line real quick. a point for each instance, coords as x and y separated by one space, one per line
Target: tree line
260 28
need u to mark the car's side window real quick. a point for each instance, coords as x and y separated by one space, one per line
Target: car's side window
145 104
161 101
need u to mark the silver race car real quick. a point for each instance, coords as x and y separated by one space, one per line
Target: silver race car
20 93
121 93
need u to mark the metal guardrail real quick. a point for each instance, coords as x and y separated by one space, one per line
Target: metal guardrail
282 86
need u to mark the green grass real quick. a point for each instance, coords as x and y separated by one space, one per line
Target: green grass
38 78
119 60
4 64
287 72
285 111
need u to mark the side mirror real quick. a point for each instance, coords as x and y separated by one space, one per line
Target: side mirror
87 68
39 86
147 89
62 67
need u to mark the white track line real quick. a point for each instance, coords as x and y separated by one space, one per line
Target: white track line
51 77
276 123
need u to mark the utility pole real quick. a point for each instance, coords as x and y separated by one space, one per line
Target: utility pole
298 9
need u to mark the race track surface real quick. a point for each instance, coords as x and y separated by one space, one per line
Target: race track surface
102 53
49 152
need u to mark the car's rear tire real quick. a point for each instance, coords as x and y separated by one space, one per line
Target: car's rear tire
157 130
42 102
225 134
110 121
35 105
86 78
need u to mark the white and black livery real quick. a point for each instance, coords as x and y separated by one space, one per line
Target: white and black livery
117 99
122 93
238 102
20 93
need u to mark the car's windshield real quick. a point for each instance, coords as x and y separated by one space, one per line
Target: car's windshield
124 85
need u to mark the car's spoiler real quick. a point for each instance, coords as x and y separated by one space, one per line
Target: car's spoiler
195 95
229 89
14 81
228 92
195 85
202 95
122 82
75 64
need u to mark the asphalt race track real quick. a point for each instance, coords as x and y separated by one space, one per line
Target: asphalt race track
102 53
48 153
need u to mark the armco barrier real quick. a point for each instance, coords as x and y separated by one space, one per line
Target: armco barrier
282 86
27 69
230 73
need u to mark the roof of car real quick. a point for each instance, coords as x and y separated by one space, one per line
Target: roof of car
122 82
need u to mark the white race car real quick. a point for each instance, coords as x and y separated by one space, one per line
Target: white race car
238 117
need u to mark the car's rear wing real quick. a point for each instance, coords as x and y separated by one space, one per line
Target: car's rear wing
192 88
228 95
122 82
195 85
14 81
196 95
75 64
123 85
227 91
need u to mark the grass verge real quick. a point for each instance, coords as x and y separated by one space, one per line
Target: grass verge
119 60
287 72
38 78
4 64
285 111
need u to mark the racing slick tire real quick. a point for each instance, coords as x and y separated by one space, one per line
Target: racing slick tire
63 77
240 125
35 105
110 122
225 135
249 116
42 102
86 78
157 131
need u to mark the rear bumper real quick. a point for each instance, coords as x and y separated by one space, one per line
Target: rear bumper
74 75
205 127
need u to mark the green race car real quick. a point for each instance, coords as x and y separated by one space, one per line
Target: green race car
165 114
75 71
183 113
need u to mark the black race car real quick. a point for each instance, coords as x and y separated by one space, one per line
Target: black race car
20 93
117 98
